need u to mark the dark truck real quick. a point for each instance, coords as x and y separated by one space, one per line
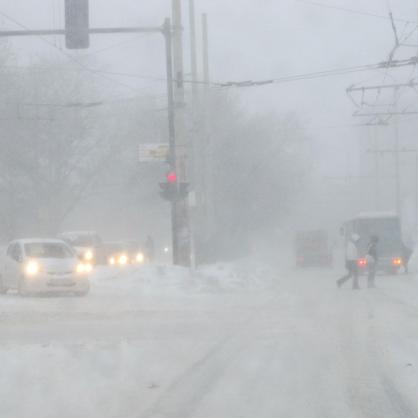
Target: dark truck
312 249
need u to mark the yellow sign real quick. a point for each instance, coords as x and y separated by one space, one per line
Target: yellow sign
150 153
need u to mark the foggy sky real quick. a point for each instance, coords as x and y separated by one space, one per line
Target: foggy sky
249 39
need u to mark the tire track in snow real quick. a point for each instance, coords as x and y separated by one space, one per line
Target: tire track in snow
371 391
400 405
183 396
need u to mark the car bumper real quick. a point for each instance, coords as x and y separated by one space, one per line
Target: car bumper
51 284
384 265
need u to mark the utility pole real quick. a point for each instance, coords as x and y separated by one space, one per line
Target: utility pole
178 51
172 158
196 142
376 170
183 148
397 168
416 186
206 73
207 146
193 52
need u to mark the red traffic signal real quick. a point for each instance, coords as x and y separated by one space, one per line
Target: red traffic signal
172 177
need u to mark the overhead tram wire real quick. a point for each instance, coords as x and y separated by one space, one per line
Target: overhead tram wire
114 45
308 76
319 74
250 83
352 11
68 56
98 73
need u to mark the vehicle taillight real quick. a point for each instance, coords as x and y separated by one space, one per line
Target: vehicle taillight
397 261
362 262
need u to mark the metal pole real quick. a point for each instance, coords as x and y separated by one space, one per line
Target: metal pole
92 31
193 53
416 191
196 144
207 149
171 129
376 168
206 75
397 169
178 51
183 149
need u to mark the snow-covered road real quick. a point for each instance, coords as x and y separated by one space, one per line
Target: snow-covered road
157 342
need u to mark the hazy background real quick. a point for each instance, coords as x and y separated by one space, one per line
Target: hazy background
249 40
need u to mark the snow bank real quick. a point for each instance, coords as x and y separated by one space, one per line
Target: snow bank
242 275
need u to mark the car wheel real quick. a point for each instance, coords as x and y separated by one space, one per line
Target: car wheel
3 288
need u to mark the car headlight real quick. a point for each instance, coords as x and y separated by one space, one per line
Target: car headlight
84 268
123 259
140 258
32 268
112 261
89 255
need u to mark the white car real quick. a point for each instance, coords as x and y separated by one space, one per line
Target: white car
43 266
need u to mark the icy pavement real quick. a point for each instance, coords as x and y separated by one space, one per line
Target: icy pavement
226 342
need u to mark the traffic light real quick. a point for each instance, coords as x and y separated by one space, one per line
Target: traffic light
173 191
172 177
169 191
77 24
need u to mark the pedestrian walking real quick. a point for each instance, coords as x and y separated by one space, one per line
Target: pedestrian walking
351 262
372 260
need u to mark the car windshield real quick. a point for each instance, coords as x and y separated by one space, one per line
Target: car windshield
48 250
387 229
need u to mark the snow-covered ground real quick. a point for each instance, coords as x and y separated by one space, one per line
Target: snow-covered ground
228 341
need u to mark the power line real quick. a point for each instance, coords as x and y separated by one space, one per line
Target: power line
321 74
114 45
352 11
411 84
106 72
248 83
68 56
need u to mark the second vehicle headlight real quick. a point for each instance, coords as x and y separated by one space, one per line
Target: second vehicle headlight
89 255
123 259
140 258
